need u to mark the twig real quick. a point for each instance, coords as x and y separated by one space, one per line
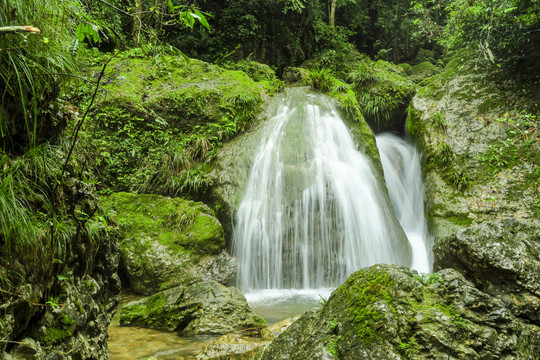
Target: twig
81 122
14 29
20 296
78 77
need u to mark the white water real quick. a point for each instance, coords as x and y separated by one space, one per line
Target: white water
401 164
313 211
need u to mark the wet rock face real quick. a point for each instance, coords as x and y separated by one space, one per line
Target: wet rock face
169 242
482 170
205 308
388 312
502 257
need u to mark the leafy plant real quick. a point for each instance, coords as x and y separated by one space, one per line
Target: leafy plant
439 121
321 79
445 154
378 106
30 65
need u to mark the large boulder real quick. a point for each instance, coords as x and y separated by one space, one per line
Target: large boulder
169 242
502 257
389 312
162 119
205 308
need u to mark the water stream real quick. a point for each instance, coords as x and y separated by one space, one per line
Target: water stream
313 212
401 164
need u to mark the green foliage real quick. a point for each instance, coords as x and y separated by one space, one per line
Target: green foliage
439 121
503 31
459 179
29 68
409 349
52 302
445 154
428 279
378 105
255 70
332 346
321 80
516 147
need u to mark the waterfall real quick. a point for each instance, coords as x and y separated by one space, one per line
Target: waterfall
401 164
313 211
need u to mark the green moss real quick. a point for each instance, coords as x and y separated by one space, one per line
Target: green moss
460 219
332 346
407 68
163 121
66 320
50 335
360 293
130 313
424 69
179 224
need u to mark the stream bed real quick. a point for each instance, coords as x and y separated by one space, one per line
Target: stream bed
136 343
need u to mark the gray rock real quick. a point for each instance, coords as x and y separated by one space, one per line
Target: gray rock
389 312
502 257
205 308
232 347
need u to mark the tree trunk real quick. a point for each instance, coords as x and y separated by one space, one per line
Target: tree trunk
137 23
332 14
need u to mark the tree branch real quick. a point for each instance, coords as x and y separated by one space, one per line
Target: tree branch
13 29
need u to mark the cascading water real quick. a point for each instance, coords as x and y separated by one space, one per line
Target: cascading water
401 164
313 212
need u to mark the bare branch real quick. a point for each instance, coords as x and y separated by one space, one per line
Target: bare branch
13 29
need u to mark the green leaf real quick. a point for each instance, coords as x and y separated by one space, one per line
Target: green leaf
202 19
61 277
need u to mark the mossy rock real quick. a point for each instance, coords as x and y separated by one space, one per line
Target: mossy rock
168 241
205 308
424 55
477 162
424 70
389 312
407 68
162 120
177 91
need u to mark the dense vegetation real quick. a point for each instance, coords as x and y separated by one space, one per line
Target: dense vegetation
57 153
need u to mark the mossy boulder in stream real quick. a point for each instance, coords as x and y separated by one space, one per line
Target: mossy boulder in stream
168 242
205 308
389 312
